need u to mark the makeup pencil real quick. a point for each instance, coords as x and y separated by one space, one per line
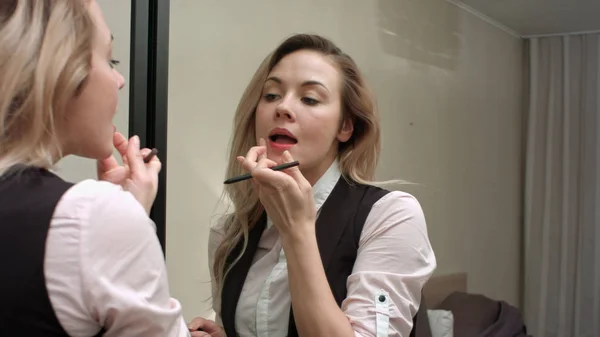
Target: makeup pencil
248 175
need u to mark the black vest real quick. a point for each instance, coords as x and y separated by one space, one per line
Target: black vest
338 229
28 197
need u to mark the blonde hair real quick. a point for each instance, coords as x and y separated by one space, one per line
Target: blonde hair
357 158
45 56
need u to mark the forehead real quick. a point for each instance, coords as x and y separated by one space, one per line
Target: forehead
307 65
102 30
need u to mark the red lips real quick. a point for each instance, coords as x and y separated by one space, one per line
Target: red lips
282 139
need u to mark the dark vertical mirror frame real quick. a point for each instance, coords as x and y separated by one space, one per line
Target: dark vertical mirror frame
148 94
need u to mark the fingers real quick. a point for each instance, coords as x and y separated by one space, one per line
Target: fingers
281 180
196 323
193 325
120 143
154 165
145 152
252 166
106 165
199 334
293 171
109 164
262 144
134 156
143 178
246 164
256 152
256 157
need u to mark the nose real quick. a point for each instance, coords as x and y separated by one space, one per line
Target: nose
120 79
283 111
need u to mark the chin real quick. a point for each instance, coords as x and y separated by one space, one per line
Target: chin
105 153
96 153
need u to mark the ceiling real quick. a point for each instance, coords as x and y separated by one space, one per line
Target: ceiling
540 17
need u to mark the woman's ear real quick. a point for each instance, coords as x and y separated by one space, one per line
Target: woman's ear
346 130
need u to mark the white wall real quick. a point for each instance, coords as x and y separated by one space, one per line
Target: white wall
449 90
117 14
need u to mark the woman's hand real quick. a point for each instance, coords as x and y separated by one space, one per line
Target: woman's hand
134 175
286 195
208 328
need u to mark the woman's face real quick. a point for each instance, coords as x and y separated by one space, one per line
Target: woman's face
300 111
89 117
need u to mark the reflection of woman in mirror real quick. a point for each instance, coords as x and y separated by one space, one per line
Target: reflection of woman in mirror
76 259
346 257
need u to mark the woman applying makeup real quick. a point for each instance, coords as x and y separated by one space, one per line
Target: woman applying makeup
79 259
314 250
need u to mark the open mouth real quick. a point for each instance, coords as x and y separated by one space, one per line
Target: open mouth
283 139
282 136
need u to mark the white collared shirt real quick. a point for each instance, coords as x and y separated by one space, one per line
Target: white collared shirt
394 256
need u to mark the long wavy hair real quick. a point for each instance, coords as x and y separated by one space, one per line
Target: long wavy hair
45 56
357 157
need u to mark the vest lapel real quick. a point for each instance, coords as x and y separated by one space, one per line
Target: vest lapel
337 213
236 277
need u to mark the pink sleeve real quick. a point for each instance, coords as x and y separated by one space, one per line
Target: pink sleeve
116 273
395 259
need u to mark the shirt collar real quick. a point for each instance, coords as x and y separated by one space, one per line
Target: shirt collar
326 183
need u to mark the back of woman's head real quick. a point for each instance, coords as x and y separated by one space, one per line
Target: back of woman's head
45 56
357 157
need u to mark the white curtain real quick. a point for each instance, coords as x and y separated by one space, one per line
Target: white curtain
562 188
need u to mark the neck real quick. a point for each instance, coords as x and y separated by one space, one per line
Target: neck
56 157
60 152
313 174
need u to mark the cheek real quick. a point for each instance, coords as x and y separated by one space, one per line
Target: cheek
107 80
322 126
261 118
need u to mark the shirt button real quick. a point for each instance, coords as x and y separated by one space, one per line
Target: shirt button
381 298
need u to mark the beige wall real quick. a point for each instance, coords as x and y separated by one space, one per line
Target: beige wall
449 90
117 14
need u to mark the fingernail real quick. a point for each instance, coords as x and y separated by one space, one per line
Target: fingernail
136 141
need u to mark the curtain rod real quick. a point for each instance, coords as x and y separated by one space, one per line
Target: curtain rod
585 32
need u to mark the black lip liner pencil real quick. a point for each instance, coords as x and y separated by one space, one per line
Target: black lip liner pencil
248 175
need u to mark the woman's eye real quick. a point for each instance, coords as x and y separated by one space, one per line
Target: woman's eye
309 101
114 63
270 97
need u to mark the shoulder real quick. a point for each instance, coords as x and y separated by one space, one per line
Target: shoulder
381 198
386 204
399 213
398 203
104 210
89 195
